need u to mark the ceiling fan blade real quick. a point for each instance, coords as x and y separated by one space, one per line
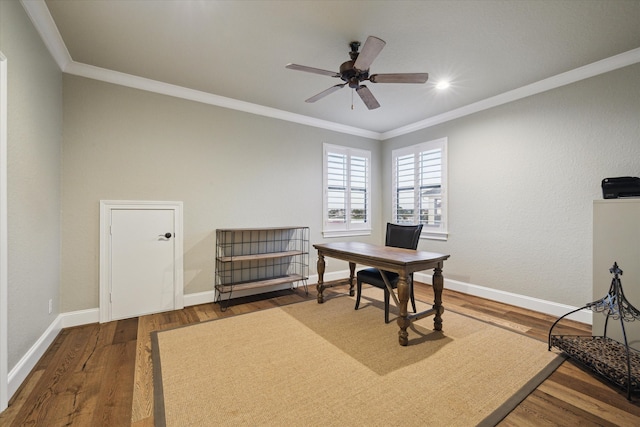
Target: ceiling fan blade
312 70
367 97
370 51
325 93
399 78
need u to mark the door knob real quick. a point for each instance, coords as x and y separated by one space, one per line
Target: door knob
167 235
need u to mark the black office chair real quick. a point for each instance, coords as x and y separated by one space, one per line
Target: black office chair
399 236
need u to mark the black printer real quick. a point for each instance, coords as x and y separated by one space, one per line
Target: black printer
624 186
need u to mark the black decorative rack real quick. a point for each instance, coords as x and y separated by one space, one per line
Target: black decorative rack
610 359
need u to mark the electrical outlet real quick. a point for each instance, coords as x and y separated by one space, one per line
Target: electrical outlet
50 306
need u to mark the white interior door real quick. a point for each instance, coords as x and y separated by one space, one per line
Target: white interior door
141 260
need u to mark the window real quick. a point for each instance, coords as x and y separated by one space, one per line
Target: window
347 182
420 187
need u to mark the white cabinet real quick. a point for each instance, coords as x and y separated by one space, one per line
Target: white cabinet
260 259
616 238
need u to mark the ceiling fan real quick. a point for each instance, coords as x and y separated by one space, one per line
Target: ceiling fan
356 71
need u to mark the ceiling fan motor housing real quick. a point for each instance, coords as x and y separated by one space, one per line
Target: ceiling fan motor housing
351 75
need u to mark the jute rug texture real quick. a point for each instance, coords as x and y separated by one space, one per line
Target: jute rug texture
329 365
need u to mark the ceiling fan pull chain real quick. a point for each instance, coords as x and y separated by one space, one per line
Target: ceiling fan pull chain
352 100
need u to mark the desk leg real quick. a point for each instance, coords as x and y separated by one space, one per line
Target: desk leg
438 285
403 319
352 271
320 287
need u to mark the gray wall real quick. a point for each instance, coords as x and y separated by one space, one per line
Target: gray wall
522 180
34 144
231 169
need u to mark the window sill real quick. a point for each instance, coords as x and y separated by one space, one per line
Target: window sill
433 235
345 233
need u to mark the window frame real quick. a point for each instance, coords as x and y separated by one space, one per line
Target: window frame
348 227
429 231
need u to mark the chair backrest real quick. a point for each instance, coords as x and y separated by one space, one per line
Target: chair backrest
403 236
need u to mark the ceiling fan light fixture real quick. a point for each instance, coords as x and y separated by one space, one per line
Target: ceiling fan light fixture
442 85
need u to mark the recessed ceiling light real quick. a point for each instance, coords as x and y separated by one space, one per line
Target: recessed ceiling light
442 85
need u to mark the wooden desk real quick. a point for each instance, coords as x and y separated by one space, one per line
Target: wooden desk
401 261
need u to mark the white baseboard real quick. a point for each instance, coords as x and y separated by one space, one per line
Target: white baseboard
523 301
199 298
209 296
24 366
83 317
80 317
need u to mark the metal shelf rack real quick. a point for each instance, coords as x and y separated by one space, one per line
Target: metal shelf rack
259 258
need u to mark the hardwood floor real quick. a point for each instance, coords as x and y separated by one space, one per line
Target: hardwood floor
100 374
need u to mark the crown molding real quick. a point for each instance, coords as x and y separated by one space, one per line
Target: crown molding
590 70
42 20
123 79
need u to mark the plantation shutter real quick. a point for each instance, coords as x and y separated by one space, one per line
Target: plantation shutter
347 183
419 185
336 188
430 197
405 189
358 178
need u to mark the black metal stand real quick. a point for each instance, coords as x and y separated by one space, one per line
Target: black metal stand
608 358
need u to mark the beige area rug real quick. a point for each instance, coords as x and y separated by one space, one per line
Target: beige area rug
329 365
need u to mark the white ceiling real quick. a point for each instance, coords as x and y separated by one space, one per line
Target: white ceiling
233 53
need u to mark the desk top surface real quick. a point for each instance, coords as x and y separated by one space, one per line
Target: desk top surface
385 254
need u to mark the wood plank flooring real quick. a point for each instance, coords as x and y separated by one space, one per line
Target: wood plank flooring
101 374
